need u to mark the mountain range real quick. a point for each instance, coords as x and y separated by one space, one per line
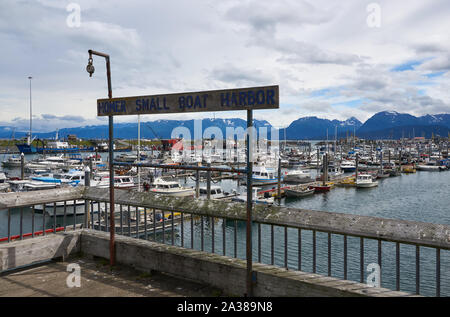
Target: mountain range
385 125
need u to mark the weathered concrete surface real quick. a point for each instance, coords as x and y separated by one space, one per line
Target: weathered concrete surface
97 280
20 199
29 251
228 274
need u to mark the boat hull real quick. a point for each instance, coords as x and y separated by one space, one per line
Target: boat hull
181 193
367 185
59 211
321 189
297 193
429 168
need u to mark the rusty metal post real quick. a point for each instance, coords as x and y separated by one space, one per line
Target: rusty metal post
208 183
197 184
249 203
279 181
87 203
112 250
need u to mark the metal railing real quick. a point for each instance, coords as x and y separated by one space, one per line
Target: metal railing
38 212
333 244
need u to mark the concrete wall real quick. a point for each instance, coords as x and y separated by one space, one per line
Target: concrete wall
26 252
228 274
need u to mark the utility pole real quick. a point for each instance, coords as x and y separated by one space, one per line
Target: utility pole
31 115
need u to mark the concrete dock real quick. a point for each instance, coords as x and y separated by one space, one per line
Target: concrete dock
97 280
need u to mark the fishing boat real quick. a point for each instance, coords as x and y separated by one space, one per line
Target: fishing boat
101 180
298 175
12 161
70 207
73 177
321 188
215 192
53 146
50 162
25 185
264 175
334 172
171 188
299 191
255 198
365 181
430 168
4 186
348 166
58 147
383 174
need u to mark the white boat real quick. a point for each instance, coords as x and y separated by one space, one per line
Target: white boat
365 181
430 168
263 175
255 199
216 192
12 161
299 192
73 177
171 188
4 186
57 208
101 180
334 172
96 160
298 175
24 185
52 162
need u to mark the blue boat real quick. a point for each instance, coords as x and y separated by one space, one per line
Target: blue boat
30 149
26 148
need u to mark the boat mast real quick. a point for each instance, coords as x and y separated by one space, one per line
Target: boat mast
335 142
31 116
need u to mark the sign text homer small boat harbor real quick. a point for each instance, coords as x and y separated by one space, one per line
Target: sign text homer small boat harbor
266 97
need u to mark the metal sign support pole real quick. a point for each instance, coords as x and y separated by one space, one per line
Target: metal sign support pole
112 226
249 254
112 250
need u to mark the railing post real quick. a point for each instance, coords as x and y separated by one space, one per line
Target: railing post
197 183
87 203
22 166
208 182
279 181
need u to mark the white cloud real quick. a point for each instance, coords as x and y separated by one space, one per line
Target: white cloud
174 46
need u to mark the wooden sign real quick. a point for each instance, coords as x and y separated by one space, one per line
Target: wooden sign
266 97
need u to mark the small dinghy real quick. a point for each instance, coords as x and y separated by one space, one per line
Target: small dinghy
299 192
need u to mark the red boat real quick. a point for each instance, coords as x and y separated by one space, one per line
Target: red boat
321 189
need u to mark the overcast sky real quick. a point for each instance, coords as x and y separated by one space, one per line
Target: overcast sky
331 59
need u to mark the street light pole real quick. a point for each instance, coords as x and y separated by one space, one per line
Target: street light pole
31 114
90 69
